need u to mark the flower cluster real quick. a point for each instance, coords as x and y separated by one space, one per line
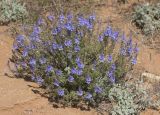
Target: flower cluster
64 54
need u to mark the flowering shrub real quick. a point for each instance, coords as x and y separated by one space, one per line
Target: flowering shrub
70 57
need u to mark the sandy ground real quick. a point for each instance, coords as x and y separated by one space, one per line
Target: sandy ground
17 97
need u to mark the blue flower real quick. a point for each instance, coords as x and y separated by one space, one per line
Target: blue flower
88 79
56 31
78 59
88 96
25 53
68 43
73 71
69 26
20 38
100 38
79 92
97 89
123 51
92 17
60 92
32 62
111 76
110 58
60 47
114 35
101 58
80 64
40 21
61 18
79 72
56 83
58 72
33 78
55 46
50 17
36 30
76 71
77 48
23 64
77 41
129 50
113 67
134 60
42 60
39 80
49 68
136 49
108 32
70 78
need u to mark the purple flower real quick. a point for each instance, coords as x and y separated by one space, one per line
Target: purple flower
77 48
23 64
36 30
110 58
56 83
79 92
92 17
33 78
123 51
60 47
70 78
58 72
39 80
76 71
40 21
100 38
88 79
61 18
68 43
42 60
111 76
20 40
97 89
50 17
108 32
114 35
69 26
88 96
80 65
136 49
77 41
78 60
49 68
60 92
101 58
25 53
79 72
73 71
55 46
113 67
32 62
134 60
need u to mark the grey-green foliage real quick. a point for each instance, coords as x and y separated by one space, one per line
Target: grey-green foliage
122 101
11 10
147 17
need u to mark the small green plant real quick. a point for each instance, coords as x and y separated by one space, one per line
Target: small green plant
11 10
147 17
131 98
122 100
